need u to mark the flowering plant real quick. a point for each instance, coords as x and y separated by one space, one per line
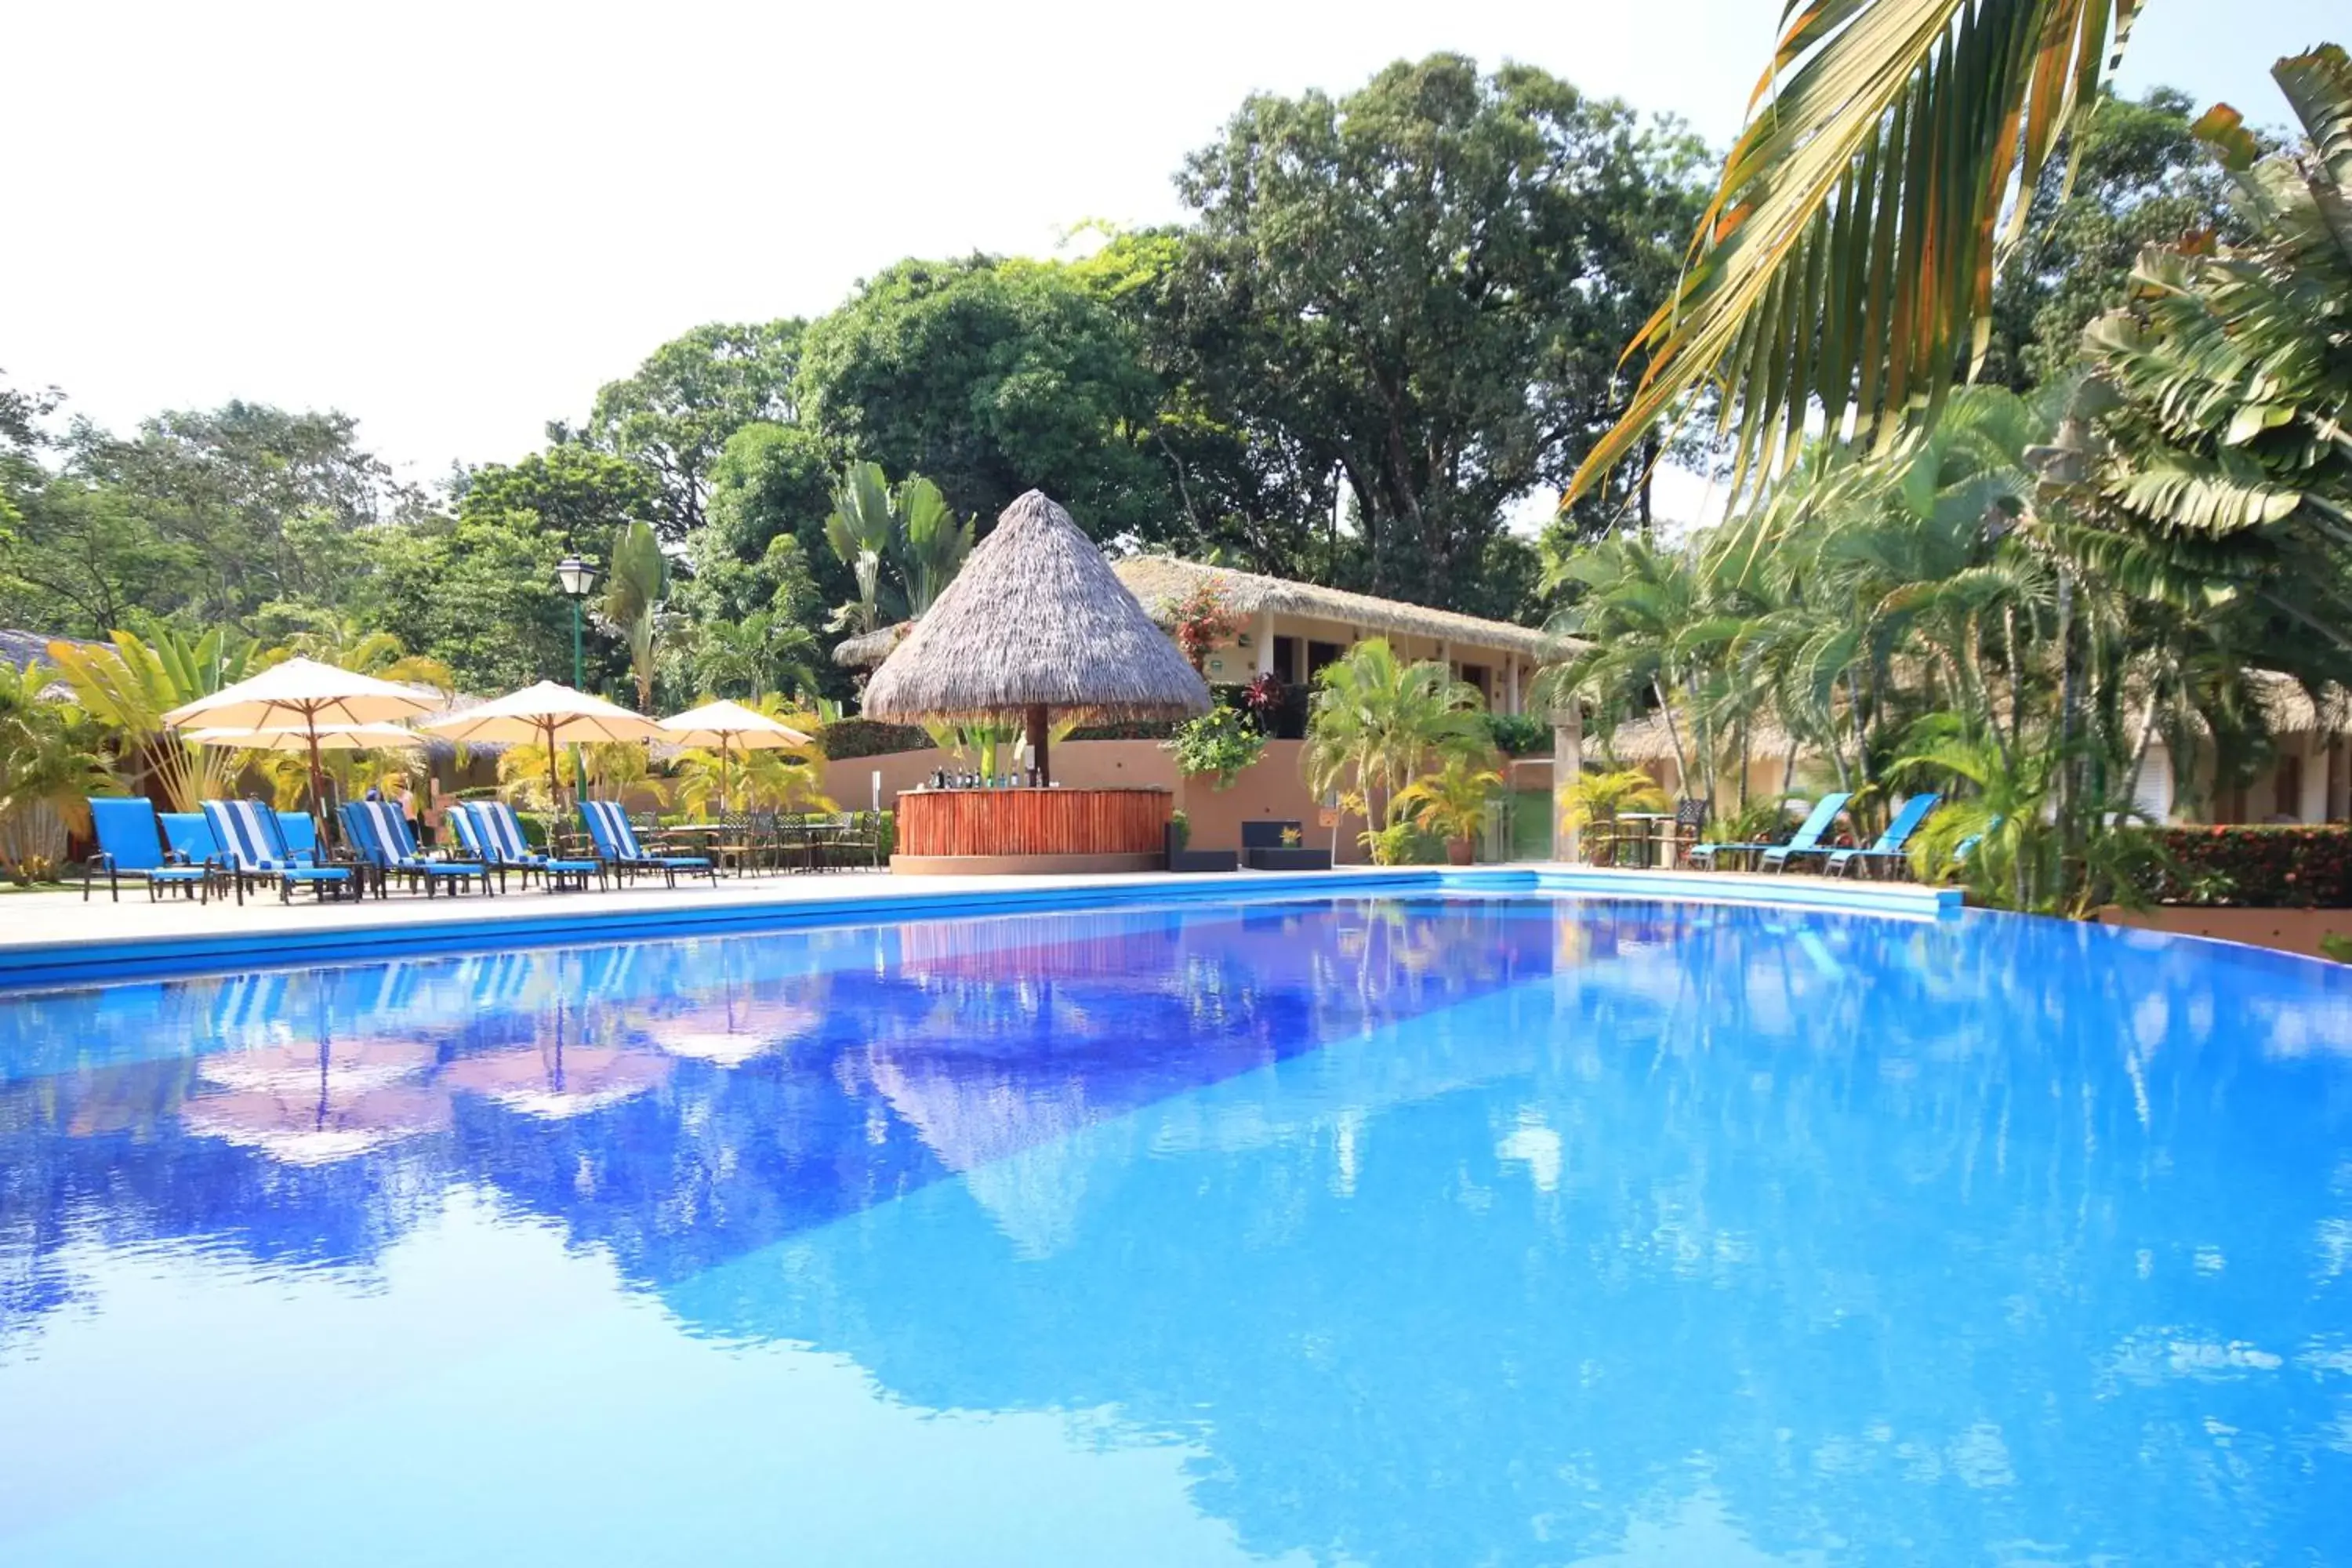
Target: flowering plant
1204 620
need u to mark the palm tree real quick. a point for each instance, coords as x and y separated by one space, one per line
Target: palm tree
750 659
1380 719
1847 256
1451 802
930 544
48 768
343 642
765 777
861 530
2228 378
1604 797
638 578
129 685
1641 609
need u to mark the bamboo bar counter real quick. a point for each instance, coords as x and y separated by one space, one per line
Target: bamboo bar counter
1010 831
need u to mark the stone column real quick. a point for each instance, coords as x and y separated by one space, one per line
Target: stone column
1567 764
1264 635
2312 806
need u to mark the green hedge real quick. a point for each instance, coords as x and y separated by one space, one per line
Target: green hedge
846 738
1520 734
2256 867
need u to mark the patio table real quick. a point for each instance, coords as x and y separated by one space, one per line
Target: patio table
1639 829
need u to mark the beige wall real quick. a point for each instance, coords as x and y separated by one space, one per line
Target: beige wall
1230 664
2311 782
1271 791
2288 930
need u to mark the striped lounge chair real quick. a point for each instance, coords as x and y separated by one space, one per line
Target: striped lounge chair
254 851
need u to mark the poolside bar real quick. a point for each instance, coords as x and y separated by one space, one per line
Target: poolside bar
994 831
1035 627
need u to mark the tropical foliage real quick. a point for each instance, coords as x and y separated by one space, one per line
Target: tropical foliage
635 583
1219 744
50 762
909 531
1603 795
1376 722
129 683
1846 261
1451 802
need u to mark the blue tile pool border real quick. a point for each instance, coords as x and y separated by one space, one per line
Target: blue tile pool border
31 966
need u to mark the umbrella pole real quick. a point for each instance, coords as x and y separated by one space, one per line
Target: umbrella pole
554 785
318 798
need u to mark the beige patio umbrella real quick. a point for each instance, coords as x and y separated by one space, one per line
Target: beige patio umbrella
548 713
718 724
1037 623
327 737
302 694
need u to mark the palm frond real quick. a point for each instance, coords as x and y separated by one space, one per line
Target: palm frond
1846 261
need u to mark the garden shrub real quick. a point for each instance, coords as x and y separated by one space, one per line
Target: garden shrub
1520 734
846 738
2253 867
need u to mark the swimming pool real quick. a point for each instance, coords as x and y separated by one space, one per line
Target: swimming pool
1383 1231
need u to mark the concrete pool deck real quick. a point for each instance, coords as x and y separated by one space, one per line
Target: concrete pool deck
47 939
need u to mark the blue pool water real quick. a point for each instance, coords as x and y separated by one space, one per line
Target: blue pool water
1493 1231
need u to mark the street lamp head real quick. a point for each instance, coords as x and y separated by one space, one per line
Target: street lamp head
575 576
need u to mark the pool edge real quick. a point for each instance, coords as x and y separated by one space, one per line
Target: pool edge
25 966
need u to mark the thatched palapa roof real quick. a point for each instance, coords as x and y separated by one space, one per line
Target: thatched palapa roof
1036 618
1162 583
1648 740
867 649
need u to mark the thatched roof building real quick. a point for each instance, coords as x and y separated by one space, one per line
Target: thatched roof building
1648 740
1036 619
1161 582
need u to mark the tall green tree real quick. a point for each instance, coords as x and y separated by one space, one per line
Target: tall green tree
2140 176
675 416
992 376
1424 284
203 515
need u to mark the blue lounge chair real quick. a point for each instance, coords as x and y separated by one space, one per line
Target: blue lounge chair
1807 838
1890 851
301 835
617 845
493 832
130 843
191 838
253 850
380 833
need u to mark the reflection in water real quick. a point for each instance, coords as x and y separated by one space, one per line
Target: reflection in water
1433 1232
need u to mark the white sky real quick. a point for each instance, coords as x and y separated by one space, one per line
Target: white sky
454 220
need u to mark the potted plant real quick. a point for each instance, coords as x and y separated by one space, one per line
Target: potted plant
1451 803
